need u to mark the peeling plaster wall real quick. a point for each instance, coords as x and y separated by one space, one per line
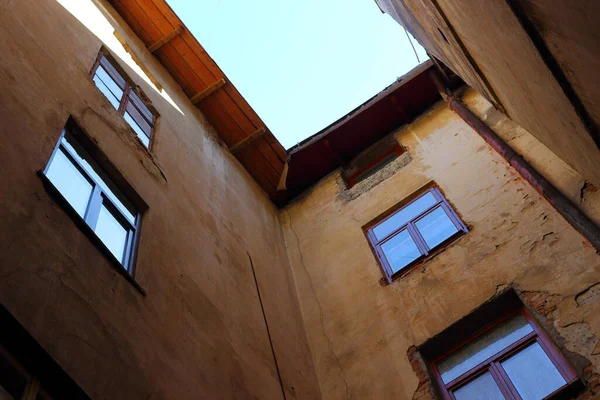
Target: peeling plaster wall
531 51
199 332
568 181
360 332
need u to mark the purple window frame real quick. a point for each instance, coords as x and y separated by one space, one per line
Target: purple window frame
493 363
413 231
132 100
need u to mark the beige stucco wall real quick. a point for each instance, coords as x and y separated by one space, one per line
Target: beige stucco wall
360 331
521 55
564 178
199 332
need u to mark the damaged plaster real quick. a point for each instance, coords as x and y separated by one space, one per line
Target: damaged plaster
364 186
516 239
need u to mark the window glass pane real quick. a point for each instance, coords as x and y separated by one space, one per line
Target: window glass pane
109 83
140 119
95 172
137 129
69 181
104 89
140 105
404 215
436 227
111 232
533 373
483 348
481 388
400 251
112 71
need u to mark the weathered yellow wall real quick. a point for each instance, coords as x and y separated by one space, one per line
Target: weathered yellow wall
199 332
507 67
360 331
570 31
568 181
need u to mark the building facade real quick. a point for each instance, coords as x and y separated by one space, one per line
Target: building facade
364 332
189 323
169 272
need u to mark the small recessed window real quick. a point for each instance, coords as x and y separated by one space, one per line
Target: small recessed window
413 231
124 97
513 359
372 163
86 187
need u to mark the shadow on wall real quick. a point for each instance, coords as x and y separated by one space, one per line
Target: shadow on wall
94 15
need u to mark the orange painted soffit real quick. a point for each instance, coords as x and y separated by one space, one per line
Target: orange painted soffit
163 33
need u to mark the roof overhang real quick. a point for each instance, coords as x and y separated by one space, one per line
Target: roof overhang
248 138
336 145
207 87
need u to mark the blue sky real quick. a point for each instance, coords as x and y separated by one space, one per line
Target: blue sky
301 64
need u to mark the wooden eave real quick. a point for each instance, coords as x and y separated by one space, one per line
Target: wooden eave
161 30
338 144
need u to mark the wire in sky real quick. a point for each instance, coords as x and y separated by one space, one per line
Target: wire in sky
411 44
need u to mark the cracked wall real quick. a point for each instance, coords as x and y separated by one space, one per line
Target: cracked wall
199 332
360 332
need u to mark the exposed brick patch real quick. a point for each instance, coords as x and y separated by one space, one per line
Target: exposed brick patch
543 303
374 180
593 378
592 381
544 306
424 389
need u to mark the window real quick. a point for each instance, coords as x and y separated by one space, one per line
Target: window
411 232
373 162
26 370
94 197
513 359
124 97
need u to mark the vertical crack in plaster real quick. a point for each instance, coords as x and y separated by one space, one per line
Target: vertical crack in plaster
320 308
262 308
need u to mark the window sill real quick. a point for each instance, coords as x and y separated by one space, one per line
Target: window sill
81 224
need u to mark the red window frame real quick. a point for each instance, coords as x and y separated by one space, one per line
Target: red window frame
414 232
493 366
131 94
358 175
